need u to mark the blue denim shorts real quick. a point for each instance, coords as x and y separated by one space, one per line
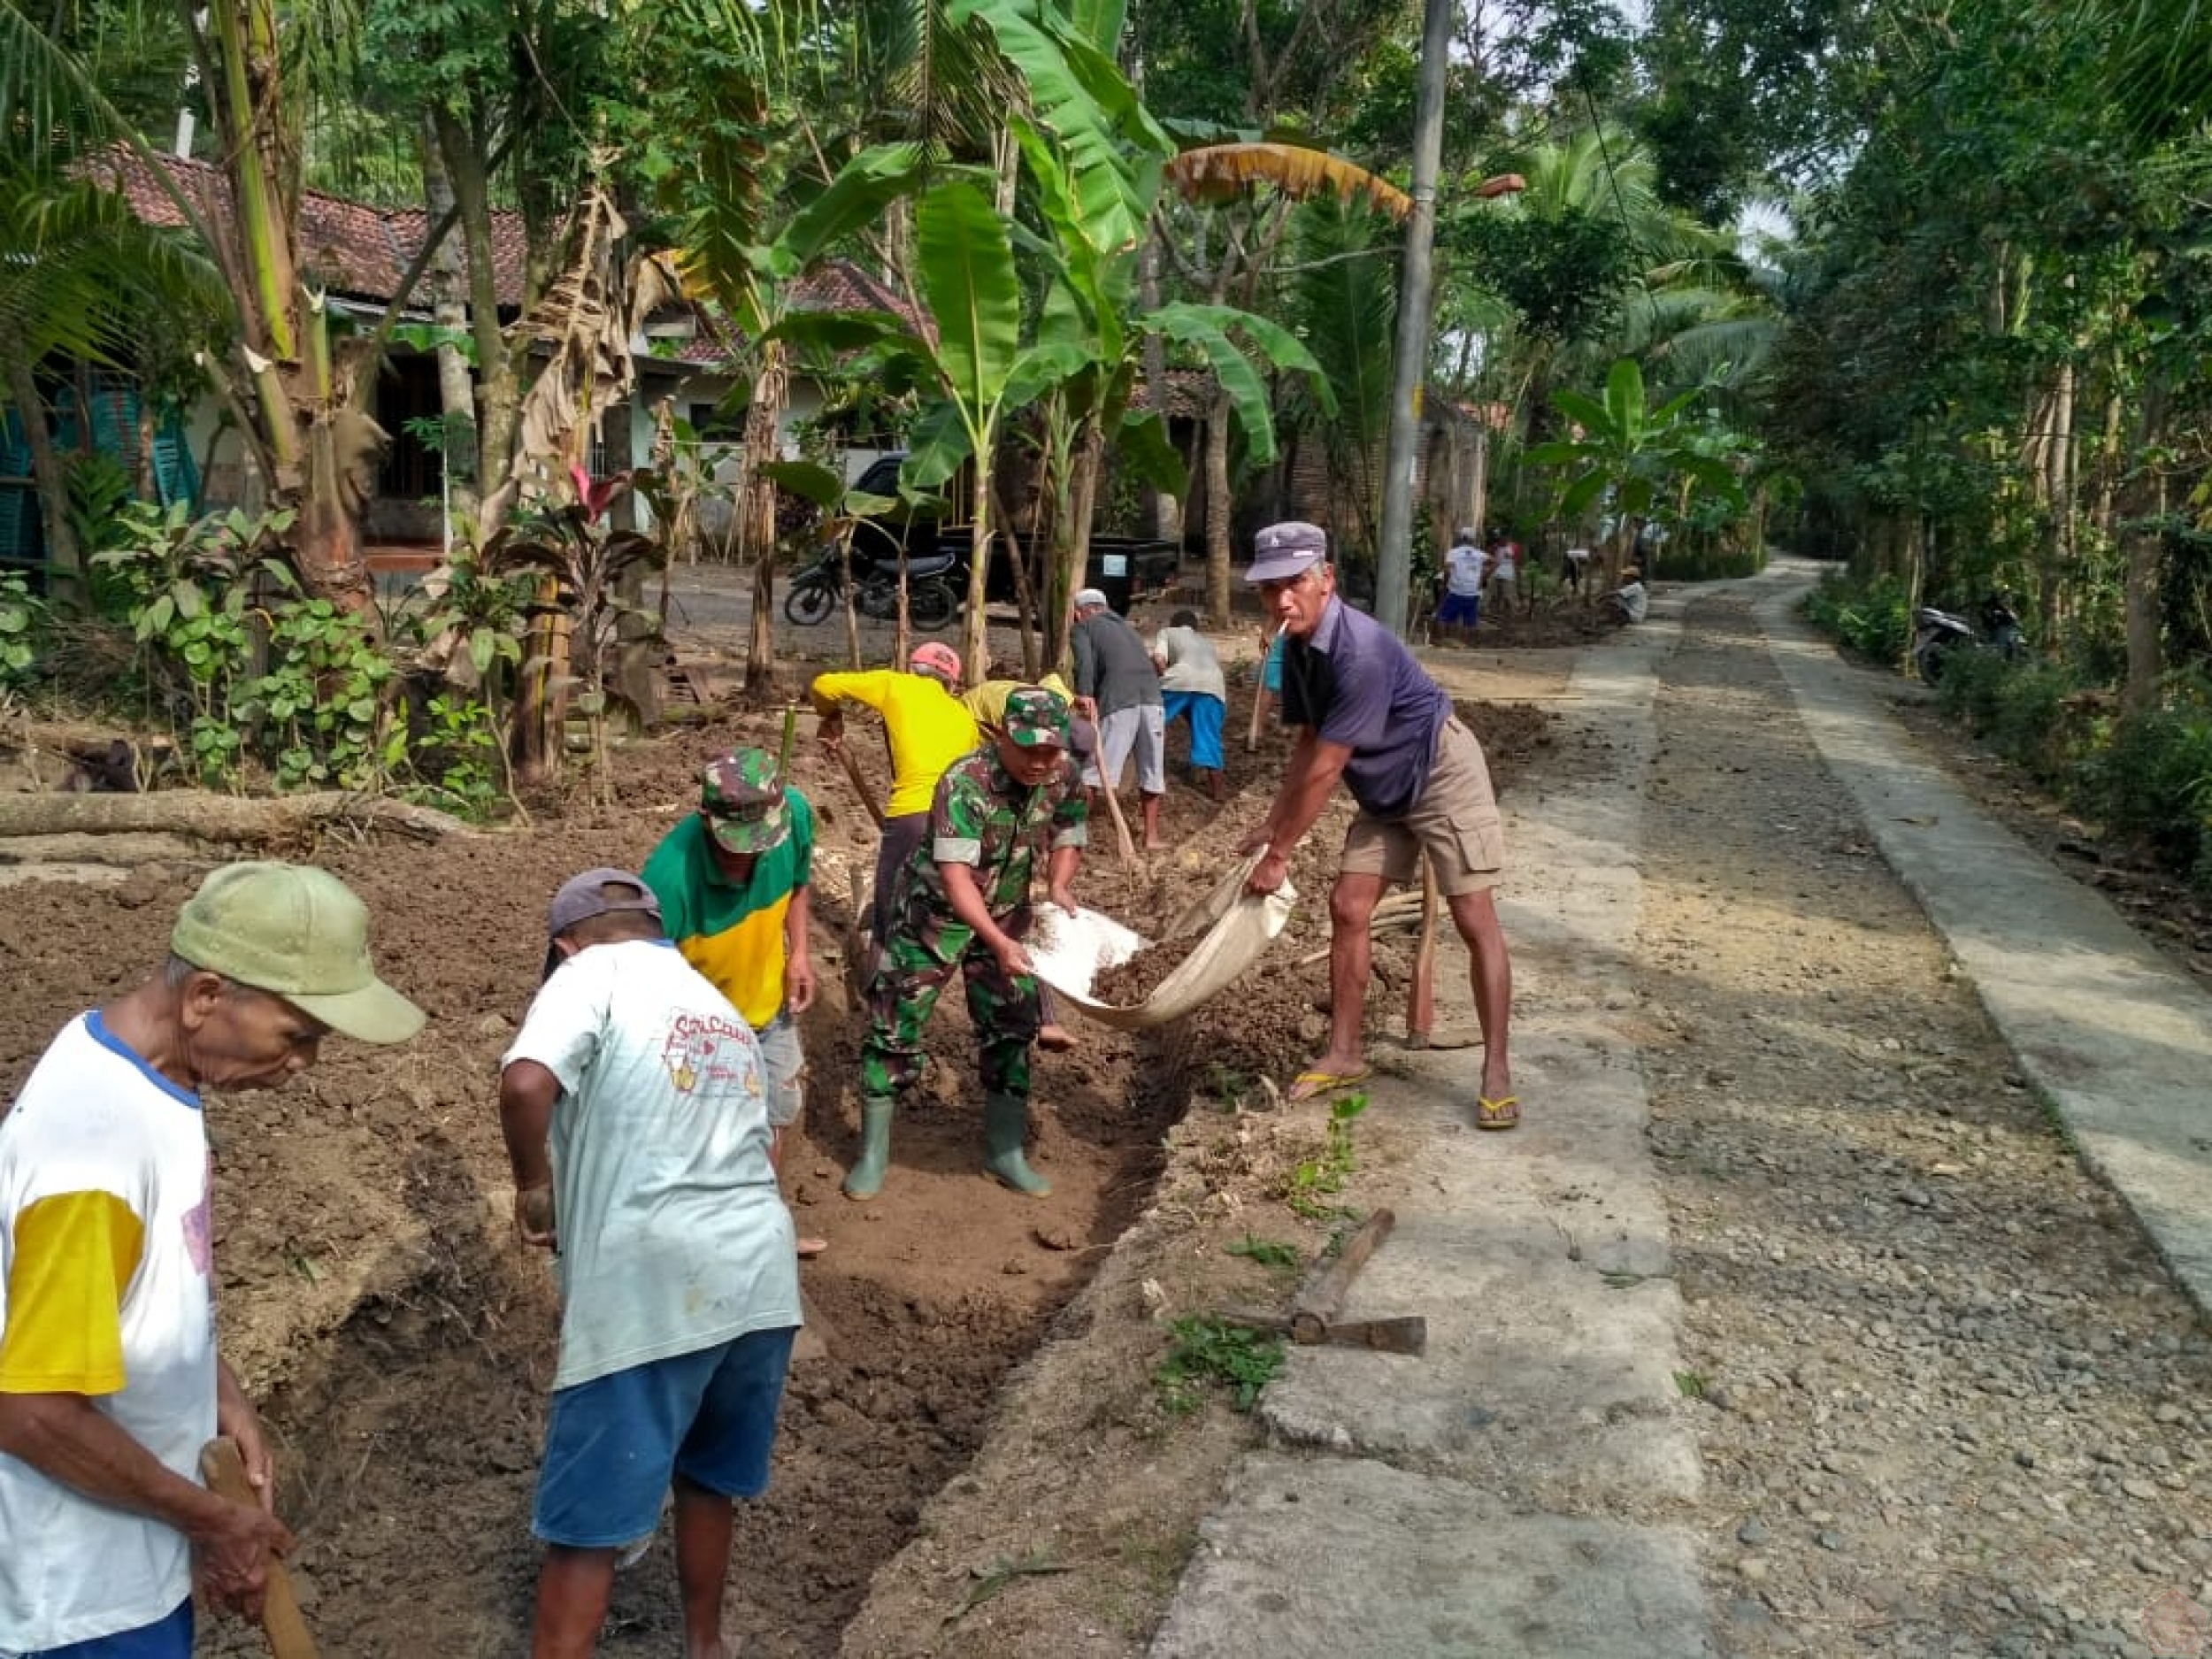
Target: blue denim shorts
169 1638
613 1444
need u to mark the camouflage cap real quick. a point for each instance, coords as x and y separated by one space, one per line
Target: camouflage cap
743 799
1035 718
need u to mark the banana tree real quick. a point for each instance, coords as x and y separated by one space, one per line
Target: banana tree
973 362
1089 305
1626 455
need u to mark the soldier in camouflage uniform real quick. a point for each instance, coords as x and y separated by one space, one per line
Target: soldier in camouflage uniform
964 903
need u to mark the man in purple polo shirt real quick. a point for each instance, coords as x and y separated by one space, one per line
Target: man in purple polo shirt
1366 712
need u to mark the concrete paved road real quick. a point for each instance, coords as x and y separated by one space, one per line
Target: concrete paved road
1521 1489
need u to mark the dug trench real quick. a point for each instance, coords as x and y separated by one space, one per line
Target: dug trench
372 1297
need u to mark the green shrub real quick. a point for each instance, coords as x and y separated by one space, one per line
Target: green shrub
1870 619
2027 710
1708 563
2154 780
22 622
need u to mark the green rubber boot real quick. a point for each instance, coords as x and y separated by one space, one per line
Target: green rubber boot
1005 1126
865 1180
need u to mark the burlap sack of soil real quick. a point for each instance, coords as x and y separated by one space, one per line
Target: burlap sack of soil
1068 952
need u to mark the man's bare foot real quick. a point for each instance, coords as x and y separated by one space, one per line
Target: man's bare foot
1054 1037
810 1248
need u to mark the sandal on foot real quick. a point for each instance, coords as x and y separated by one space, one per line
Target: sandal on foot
1503 1113
1313 1085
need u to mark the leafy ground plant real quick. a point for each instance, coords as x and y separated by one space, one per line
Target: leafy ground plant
1210 1353
1266 1252
22 616
1311 1182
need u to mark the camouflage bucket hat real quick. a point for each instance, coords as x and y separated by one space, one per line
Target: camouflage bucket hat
743 801
1035 718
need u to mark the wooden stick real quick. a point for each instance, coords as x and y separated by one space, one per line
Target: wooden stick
288 1637
1421 995
1320 1302
860 783
783 755
1259 693
1122 838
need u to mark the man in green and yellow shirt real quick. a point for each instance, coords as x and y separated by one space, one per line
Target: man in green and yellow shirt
732 879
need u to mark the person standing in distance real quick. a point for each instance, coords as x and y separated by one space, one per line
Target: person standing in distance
1367 715
1463 565
110 1379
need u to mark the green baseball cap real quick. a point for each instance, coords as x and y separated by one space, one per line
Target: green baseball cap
743 800
297 933
1035 718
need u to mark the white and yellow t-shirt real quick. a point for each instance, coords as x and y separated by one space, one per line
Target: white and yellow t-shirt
105 1291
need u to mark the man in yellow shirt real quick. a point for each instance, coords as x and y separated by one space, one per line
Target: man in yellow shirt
929 727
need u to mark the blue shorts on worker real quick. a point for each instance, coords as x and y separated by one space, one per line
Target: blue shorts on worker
167 1638
613 1444
1204 713
1458 608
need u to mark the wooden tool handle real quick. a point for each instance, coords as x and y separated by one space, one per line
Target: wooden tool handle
860 783
1421 997
225 1472
1320 1303
1123 840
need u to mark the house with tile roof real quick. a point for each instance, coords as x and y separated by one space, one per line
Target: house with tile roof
359 257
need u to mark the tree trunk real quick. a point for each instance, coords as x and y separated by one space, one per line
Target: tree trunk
215 818
1064 578
448 310
318 448
1162 513
975 645
756 509
1394 556
497 400
1217 504
64 554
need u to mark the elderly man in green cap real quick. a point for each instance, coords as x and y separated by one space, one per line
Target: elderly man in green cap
732 880
110 1382
963 905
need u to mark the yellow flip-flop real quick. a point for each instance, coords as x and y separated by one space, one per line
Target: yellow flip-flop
1313 1085
1503 1113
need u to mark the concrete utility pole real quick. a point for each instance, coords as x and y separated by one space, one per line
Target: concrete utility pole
1393 563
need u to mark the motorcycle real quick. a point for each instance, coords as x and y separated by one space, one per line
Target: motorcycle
1937 634
931 601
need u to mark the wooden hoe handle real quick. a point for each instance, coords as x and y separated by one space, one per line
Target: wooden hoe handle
225 1472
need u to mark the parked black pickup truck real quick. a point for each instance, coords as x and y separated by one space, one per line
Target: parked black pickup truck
1124 568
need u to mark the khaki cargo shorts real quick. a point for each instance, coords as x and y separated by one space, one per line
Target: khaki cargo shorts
1455 821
